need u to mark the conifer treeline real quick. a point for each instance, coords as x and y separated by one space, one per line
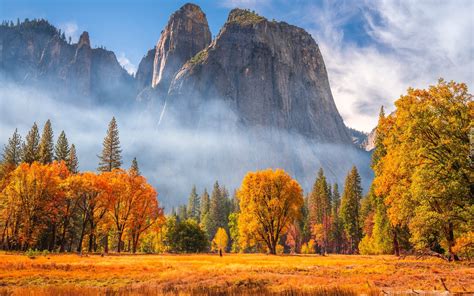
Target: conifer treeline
47 204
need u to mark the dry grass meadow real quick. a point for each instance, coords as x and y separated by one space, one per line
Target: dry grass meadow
233 274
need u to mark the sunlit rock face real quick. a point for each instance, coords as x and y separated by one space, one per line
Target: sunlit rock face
271 73
186 33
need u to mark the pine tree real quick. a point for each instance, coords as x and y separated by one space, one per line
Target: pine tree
61 150
46 144
12 151
134 167
350 208
72 161
217 212
319 200
30 149
336 228
204 204
194 205
111 153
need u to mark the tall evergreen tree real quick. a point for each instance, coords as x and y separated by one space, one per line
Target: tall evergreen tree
336 228
205 201
111 153
204 219
61 150
194 205
217 210
46 144
30 149
319 202
12 151
134 167
72 161
350 208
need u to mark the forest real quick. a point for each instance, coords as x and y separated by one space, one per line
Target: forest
421 200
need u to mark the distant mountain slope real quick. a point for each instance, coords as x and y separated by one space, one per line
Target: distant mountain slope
36 53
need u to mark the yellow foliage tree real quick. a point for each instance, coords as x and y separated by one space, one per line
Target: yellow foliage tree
425 176
220 241
270 200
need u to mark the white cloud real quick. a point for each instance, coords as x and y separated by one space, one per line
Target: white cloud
70 29
126 64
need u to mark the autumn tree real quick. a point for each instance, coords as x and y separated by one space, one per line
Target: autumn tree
31 193
269 202
426 175
30 149
350 207
220 241
46 144
145 212
111 153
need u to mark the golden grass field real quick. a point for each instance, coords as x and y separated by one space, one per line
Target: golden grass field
233 274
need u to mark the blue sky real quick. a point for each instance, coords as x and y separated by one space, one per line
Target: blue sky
373 50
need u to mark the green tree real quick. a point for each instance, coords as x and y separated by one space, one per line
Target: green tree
320 209
194 205
217 211
337 231
350 207
46 144
234 232
61 150
185 236
134 167
12 151
30 149
111 153
72 161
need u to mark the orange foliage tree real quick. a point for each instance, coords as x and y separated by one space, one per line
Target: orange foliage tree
31 195
270 200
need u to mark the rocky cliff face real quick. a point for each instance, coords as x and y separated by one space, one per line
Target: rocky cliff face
34 52
186 33
271 73
144 74
369 143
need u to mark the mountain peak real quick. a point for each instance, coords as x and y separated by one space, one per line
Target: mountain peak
244 16
84 40
186 33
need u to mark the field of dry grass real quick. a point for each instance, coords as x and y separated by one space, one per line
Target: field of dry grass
230 275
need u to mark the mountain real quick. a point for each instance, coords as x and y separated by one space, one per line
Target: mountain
256 96
271 73
36 53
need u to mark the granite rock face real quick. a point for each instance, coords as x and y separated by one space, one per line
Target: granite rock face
36 53
271 73
186 33
144 74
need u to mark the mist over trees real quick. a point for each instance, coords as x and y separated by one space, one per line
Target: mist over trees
420 201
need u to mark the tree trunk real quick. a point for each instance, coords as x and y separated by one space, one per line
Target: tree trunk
106 244
91 236
119 244
396 246
450 240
